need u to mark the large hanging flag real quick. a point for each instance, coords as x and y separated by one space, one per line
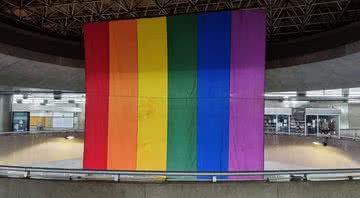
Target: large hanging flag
178 93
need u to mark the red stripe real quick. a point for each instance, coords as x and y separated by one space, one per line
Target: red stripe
96 38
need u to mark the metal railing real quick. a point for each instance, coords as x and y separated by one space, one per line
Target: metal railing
42 132
353 134
350 133
168 176
344 133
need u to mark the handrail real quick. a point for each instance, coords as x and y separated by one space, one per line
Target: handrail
353 136
179 173
68 174
42 132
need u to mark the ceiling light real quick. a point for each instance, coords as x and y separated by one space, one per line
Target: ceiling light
354 101
70 137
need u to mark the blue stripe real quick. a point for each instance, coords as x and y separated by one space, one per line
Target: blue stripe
214 42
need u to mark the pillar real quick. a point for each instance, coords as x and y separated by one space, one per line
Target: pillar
5 109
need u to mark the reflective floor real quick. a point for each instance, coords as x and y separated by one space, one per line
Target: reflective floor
298 152
52 150
281 152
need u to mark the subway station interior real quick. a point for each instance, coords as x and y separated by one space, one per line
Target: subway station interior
175 98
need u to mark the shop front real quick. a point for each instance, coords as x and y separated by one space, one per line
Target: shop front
277 120
302 121
323 121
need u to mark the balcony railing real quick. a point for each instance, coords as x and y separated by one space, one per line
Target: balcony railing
168 176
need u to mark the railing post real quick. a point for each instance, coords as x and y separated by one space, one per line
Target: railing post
27 174
213 179
116 178
354 134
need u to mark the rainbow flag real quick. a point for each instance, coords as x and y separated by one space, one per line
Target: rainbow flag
177 93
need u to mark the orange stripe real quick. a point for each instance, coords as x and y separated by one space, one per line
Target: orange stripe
122 128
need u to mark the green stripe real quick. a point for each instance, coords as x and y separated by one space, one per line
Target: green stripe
182 79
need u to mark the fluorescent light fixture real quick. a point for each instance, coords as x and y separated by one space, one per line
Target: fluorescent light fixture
70 137
294 101
325 93
281 94
354 101
354 92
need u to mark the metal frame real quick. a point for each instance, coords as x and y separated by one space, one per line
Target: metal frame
338 126
285 18
354 136
277 122
317 125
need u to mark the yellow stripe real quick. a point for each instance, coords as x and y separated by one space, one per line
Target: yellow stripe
153 92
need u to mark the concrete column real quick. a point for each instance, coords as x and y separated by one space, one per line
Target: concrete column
5 109
354 116
80 124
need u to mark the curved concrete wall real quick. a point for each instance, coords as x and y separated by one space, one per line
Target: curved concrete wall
327 60
35 46
326 45
18 72
329 74
318 47
12 188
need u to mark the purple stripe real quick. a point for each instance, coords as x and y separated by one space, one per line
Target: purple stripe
246 142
